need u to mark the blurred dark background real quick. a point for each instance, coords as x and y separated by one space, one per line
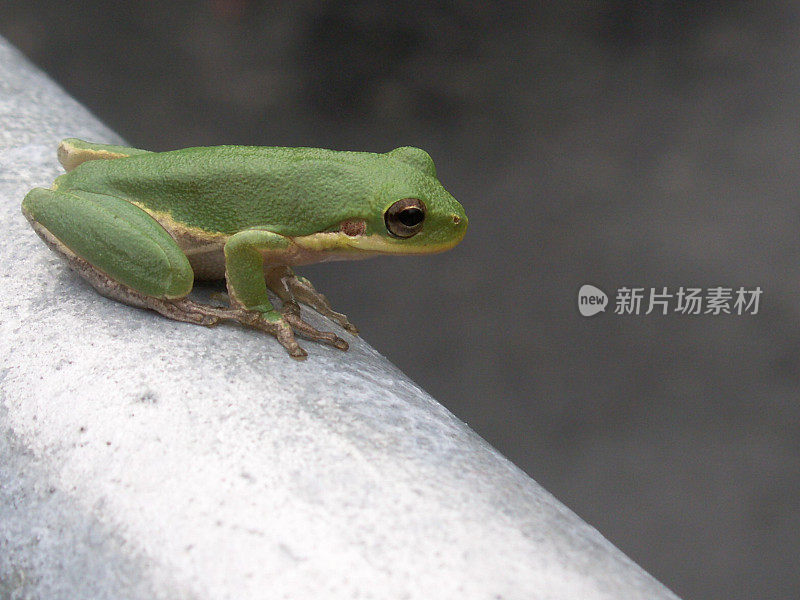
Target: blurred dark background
616 143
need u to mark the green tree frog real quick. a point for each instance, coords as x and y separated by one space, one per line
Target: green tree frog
141 226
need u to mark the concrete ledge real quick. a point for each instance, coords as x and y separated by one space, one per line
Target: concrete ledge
145 458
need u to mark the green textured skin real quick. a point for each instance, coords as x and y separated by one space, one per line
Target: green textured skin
290 191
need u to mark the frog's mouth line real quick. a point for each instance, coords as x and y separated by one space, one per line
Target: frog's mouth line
372 244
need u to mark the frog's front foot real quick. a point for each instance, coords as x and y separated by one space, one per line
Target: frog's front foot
285 325
276 325
292 289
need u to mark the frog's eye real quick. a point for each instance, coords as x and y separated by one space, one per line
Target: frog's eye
404 218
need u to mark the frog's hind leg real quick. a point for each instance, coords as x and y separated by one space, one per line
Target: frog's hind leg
120 250
128 256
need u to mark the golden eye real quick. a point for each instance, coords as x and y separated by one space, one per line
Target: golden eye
404 218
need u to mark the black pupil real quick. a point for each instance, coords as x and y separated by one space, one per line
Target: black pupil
410 216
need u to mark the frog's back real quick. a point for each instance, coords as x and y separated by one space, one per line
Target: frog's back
229 188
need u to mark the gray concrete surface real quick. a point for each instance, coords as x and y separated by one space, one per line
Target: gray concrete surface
144 458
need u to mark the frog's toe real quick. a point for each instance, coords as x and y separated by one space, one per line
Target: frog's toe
347 325
298 353
283 332
291 313
286 338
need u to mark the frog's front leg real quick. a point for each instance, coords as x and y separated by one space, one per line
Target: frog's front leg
245 255
292 289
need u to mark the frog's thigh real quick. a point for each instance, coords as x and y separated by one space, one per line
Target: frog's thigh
115 237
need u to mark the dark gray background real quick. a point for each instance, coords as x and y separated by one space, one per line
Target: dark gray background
617 143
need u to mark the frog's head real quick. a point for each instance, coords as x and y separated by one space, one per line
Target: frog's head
412 213
408 212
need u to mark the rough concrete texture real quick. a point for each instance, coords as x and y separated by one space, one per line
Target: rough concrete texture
145 458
